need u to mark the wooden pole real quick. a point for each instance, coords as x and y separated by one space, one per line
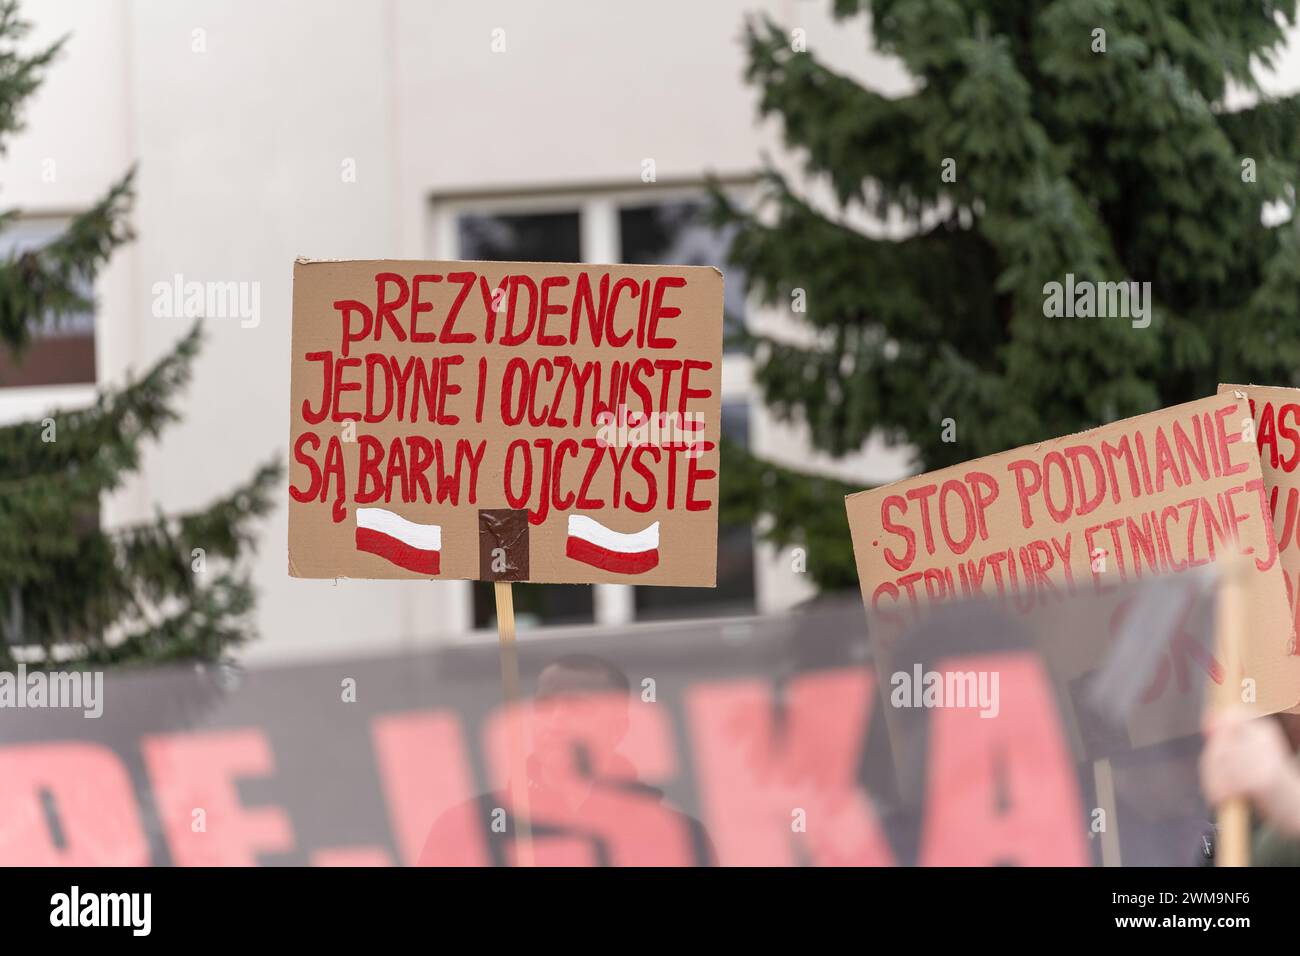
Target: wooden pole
506 637
1104 779
1232 840
510 687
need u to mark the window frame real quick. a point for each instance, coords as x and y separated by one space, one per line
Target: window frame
28 400
600 241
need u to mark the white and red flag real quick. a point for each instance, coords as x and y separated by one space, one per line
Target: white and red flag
416 547
625 553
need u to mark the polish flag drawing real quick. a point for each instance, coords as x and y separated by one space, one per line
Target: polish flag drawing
416 547
592 543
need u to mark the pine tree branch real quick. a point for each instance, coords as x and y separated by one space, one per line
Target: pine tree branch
128 574
796 509
874 149
1269 134
106 437
158 556
1270 128
207 628
1265 344
977 112
47 284
44 513
21 73
935 282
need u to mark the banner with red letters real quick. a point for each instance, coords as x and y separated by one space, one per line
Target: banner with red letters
771 741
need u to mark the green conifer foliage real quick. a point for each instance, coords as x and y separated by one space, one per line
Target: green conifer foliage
1083 137
72 591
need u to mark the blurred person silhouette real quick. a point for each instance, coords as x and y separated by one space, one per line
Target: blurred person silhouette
584 803
1255 757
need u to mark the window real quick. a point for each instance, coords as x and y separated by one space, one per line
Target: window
527 237
735 591
530 237
643 227
676 232
60 353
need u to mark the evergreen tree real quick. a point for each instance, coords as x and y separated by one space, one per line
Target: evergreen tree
70 591
1084 137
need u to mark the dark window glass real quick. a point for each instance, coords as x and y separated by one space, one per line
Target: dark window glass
528 237
676 233
62 352
523 237
735 591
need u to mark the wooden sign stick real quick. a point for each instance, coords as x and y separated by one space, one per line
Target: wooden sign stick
1104 779
510 686
1232 840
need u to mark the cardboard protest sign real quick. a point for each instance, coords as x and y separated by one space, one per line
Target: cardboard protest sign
1156 494
1274 420
505 421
